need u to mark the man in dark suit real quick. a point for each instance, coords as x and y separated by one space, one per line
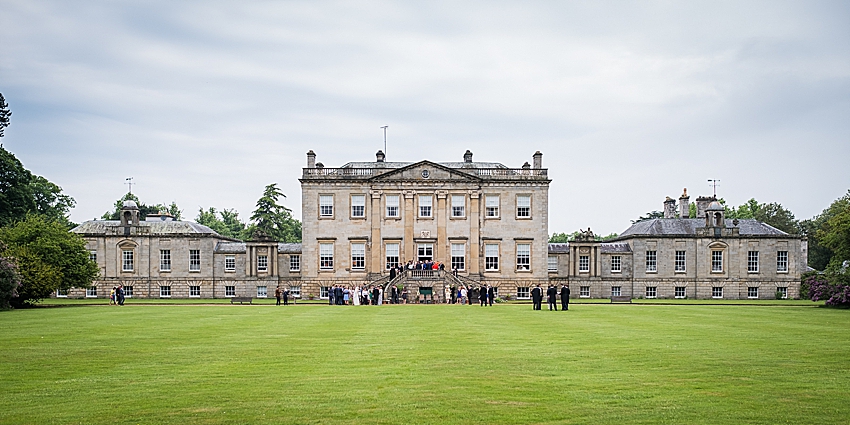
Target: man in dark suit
552 298
537 297
392 273
482 296
491 294
394 294
565 297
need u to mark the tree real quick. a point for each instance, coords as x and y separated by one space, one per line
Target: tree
273 220
773 214
228 225
565 237
144 210
649 216
820 254
49 257
10 280
834 234
22 192
5 115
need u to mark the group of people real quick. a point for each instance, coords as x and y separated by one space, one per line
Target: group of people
282 293
364 295
552 295
116 295
485 295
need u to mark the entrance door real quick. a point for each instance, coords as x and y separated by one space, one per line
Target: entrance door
425 252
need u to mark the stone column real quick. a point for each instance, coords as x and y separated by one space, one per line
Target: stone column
409 245
474 231
441 228
377 246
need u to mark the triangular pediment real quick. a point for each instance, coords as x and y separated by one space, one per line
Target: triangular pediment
424 171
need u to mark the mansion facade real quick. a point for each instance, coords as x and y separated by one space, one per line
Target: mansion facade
487 223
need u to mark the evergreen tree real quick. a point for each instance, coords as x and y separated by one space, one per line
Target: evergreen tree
273 220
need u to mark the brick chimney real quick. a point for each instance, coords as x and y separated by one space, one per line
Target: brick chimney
538 160
311 159
669 208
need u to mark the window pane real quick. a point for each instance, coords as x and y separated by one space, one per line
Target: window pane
358 256
392 205
358 205
458 204
326 205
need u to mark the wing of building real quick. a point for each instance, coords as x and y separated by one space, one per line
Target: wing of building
486 223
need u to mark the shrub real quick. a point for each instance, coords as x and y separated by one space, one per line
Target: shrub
834 294
10 281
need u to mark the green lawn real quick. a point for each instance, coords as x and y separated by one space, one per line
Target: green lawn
596 364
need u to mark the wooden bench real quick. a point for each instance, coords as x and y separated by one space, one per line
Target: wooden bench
621 299
241 300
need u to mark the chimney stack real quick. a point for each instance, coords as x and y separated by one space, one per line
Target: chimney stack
669 208
538 160
467 157
702 205
380 155
684 205
311 159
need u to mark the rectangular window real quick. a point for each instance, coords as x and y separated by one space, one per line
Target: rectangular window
128 292
194 292
651 291
127 260
583 263
523 256
584 292
651 261
458 206
523 293
392 205
717 292
165 260
616 291
491 256
783 292
679 292
165 292
552 263
458 256
326 256
326 205
717 261
753 292
680 261
323 292
392 255
93 256
782 261
491 206
752 261
616 264
295 291
194 260
358 256
91 292
523 206
425 204
262 292
230 263
262 263
61 293
229 291
358 205
294 263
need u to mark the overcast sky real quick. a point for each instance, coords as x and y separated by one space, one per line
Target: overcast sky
206 103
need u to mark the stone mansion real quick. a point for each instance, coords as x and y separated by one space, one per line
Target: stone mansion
483 219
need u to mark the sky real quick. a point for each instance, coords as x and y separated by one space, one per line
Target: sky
205 103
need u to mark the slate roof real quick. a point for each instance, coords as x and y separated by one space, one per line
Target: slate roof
96 227
392 165
613 247
688 226
230 247
288 248
559 248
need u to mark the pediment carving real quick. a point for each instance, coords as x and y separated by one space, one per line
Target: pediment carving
425 171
